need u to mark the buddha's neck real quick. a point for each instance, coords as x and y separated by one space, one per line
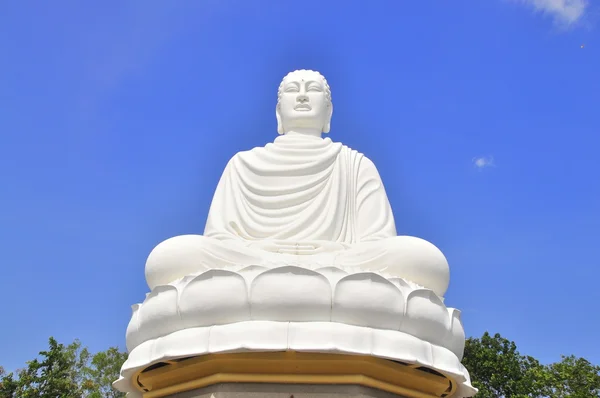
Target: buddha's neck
305 132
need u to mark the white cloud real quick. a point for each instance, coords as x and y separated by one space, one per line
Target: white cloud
482 162
564 12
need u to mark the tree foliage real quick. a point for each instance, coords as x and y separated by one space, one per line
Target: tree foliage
104 369
574 378
498 370
65 372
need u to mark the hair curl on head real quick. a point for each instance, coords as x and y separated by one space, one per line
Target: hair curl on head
325 84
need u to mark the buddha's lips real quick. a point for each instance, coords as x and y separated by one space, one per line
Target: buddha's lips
303 107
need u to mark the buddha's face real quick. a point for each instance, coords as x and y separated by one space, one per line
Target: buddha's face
303 103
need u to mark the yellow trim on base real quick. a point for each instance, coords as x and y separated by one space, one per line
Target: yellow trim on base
293 368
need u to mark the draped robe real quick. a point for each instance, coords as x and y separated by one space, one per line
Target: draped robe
300 189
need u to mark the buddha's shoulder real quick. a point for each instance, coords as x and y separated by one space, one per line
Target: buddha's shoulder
365 162
331 148
246 153
248 156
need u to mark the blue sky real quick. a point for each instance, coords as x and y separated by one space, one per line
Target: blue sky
117 119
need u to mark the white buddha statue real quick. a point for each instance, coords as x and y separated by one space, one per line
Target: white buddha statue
301 200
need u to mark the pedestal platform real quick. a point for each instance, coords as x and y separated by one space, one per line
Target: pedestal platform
283 374
243 390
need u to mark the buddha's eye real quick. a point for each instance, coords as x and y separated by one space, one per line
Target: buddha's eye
314 88
291 89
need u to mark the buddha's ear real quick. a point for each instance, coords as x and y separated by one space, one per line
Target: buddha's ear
278 116
327 126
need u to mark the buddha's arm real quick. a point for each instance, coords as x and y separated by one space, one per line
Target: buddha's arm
223 203
375 219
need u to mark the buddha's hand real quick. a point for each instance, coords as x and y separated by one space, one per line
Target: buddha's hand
298 248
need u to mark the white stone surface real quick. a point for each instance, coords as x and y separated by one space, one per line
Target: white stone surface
326 310
302 198
299 252
296 294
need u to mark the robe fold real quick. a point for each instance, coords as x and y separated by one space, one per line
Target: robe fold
300 189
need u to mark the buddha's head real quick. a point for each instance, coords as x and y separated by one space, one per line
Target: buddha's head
304 102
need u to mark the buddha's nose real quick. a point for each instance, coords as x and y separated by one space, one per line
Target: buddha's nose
302 98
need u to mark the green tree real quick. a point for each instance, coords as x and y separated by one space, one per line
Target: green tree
79 358
46 377
574 378
65 372
104 369
8 386
498 370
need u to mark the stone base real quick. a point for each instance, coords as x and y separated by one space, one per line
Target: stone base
251 390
